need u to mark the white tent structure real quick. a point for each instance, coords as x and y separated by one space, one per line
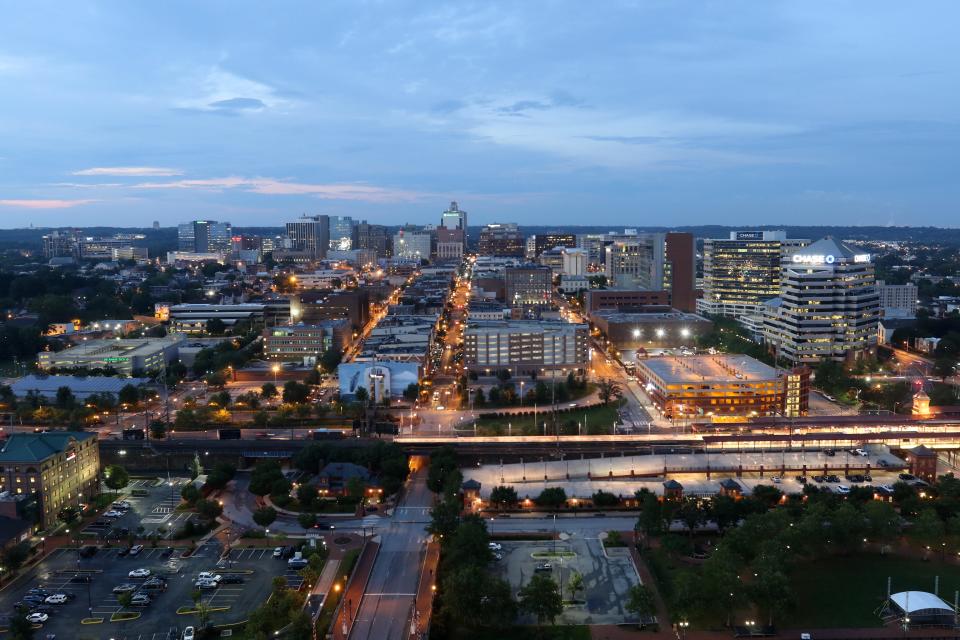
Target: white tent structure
922 607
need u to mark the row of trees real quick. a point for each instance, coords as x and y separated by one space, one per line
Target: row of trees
766 537
385 460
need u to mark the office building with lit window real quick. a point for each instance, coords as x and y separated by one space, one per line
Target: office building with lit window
525 347
722 387
204 236
742 271
527 285
59 469
828 307
503 240
127 357
650 327
305 342
341 233
310 235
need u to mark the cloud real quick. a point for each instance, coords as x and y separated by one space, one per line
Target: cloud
238 104
44 204
159 172
225 93
272 186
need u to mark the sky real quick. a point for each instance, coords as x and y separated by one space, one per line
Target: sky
640 113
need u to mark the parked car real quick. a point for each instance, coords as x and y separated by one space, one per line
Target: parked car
907 477
206 575
125 588
33 599
123 551
495 546
833 478
139 573
882 463
206 584
81 578
543 566
776 479
136 549
801 479
140 600
278 552
187 634
843 489
113 513
37 618
861 452
57 598
818 479
829 453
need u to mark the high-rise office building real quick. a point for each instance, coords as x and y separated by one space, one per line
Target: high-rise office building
204 236
593 244
546 241
574 262
372 237
454 218
742 271
501 240
828 305
341 233
449 243
413 244
60 244
680 270
311 235
635 262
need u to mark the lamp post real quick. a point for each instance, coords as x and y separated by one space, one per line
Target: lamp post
683 629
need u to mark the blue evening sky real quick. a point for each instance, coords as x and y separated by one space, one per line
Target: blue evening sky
613 113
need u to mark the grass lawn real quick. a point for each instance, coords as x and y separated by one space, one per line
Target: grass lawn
847 592
599 420
578 632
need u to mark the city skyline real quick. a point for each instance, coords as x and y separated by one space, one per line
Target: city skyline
737 114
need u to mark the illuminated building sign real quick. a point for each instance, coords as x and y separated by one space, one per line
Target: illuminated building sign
116 359
803 258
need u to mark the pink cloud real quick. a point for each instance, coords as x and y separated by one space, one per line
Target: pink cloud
44 204
129 172
271 186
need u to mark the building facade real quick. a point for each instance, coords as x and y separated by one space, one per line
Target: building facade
373 237
58 468
341 233
501 240
723 387
413 244
744 270
305 342
528 285
127 357
310 235
204 236
651 328
898 300
828 306
525 347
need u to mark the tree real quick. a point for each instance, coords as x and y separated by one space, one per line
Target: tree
882 520
575 584
116 477
330 359
444 518
158 429
65 398
541 598
265 516
295 392
209 509
476 599
216 327
129 394
412 392
190 494
640 601
124 599
20 628
605 499
268 390
552 497
928 528
770 589
307 520
361 395
14 557
504 496
223 472
609 390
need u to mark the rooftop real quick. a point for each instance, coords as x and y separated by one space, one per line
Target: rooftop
717 368
34 447
127 348
77 384
613 315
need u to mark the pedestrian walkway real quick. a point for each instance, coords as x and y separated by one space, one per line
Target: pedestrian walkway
426 591
350 604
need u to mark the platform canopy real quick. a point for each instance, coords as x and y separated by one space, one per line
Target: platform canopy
920 603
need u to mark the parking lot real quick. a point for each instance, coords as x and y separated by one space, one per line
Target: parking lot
92 610
156 511
606 576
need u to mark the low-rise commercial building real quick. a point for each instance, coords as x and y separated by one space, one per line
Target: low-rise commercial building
528 285
723 386
595 299
58 468
650 327
81 387
305 342
383 379
142 355
526 346
193 318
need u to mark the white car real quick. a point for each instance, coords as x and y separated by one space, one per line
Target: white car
135 549
188 633
206 584
121 504
861 452
57 598
139 573
206 575
843 489
278 552
495 546
113 514
37 618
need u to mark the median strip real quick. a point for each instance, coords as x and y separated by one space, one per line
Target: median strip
124 616
91 621
188 611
